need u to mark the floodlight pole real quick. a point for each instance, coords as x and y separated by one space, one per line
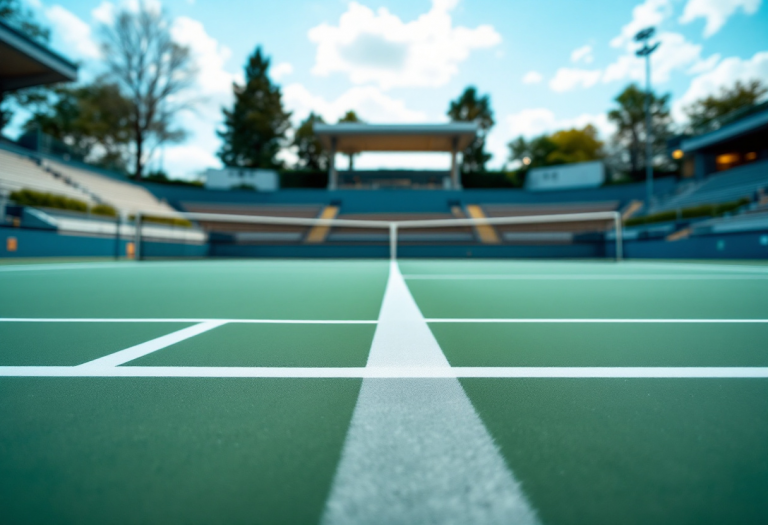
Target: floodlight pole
645 51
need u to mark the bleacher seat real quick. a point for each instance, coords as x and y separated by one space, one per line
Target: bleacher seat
18 172
246 233
732 185
445 234
549 233
129 198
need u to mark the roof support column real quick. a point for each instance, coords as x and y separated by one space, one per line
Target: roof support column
455 176
333 175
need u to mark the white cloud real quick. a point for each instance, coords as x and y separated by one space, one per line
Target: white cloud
582 54
725 74
104 12
368 102
716 12
532 77
535 121
566 79
379 47
209 55
649 13
704 65
75 34
281 70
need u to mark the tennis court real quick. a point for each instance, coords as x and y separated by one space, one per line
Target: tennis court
365 391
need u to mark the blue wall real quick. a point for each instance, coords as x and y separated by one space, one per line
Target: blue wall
403 201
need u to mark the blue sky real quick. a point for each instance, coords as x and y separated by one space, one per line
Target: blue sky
546 64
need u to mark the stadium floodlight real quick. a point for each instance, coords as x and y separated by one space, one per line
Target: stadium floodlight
644 37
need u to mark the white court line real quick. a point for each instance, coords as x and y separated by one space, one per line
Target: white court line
416 451
335 321
180 320
586 372
582 277
671 321
134 352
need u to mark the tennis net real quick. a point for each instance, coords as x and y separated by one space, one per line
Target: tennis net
571 235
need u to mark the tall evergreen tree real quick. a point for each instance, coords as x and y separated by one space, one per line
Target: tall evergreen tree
471 107
255 127
309 150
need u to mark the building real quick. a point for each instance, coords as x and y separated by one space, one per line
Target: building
242 178
740 142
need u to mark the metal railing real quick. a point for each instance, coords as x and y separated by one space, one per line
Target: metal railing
393 227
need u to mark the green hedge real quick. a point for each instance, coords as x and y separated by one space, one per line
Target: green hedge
704 210
49 200
26 197
170 221
104 209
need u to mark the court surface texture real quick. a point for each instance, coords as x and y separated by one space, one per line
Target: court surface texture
340 392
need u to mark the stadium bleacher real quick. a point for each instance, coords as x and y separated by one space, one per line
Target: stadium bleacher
129 198
18 172
736 183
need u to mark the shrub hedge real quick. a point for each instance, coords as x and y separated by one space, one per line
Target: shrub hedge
27 197
703 210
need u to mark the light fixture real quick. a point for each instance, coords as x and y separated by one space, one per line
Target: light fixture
526 160
678 154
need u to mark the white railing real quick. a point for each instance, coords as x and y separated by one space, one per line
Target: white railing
394 226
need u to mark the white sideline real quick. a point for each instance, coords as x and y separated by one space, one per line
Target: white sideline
416 451
134 352
555 320
587 372
583 277
180 320
335 321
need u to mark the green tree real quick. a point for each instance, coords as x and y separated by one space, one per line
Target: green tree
470 107
350 117
576 145
629 119
152 71
309 150
255 127
710 112
532 153
13 13
94 121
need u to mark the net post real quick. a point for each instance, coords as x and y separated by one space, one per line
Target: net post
137 240
619 241
393 241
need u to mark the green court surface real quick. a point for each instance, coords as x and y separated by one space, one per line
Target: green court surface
274 392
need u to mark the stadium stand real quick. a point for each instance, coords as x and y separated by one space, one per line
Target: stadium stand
18 172
243 233
743 181
129 198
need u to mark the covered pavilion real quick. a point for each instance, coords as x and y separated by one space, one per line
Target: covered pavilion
356 138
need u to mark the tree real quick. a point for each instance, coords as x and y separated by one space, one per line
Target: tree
151 70
255 127
562 147
710 112
470 107
15 15
351 117
629 119
309 150
576 145
93 121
